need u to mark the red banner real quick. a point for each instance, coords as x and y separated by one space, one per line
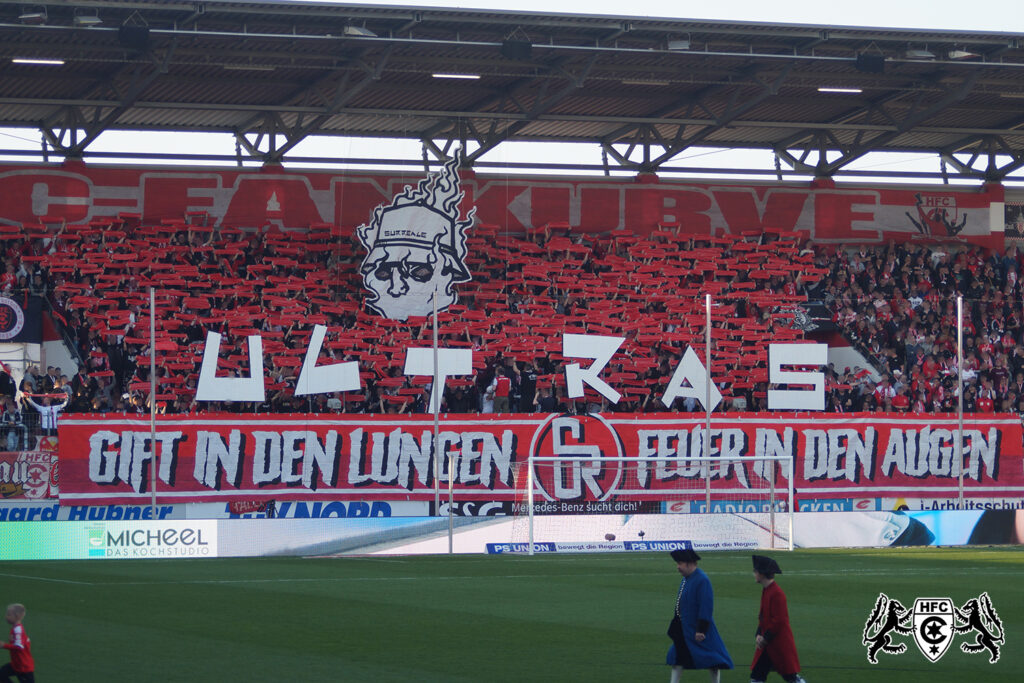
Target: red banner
77 193
28 475
105 459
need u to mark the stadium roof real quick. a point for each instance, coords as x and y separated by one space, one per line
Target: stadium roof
273 73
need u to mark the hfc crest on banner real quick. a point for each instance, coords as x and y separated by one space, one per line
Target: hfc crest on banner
934 622
933 626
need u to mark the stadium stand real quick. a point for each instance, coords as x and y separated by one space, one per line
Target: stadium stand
895 304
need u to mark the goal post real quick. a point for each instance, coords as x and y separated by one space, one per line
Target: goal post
710 502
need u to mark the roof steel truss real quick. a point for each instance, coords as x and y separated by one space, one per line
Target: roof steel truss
645 90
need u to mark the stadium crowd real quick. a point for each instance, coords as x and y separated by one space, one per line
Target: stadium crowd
896 304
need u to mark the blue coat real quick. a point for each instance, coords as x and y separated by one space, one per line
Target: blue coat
696 603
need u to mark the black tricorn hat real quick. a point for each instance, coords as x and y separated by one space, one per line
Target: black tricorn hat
684 555
766 565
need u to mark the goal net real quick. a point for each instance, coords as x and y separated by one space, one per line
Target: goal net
597 503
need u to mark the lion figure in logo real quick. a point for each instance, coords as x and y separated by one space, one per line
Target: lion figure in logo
979 615
888 615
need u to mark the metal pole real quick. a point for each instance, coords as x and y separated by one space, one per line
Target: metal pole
529 495
451 499
436 391
791 505
960 399
437 440
771 502
152 399
707 401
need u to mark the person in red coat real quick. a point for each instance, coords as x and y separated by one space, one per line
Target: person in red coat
776 649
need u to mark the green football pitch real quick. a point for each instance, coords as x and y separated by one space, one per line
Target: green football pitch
484 618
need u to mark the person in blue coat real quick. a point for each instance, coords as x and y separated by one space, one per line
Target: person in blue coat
695 640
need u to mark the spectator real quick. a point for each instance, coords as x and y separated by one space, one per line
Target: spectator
7 386
502 386
49 410
29 381
38 287
12 424
527 385
545 402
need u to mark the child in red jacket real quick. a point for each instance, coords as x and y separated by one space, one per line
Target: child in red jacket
21 665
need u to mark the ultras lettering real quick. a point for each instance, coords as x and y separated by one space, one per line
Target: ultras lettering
690 369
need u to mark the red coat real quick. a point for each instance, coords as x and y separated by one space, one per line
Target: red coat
773 624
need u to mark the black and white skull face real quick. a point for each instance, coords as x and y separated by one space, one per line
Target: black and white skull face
403 279
416 248
406 265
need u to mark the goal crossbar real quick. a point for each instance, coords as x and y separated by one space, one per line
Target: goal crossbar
706 471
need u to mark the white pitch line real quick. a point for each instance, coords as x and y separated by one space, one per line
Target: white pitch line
376 579
362 578
372 558
339 579
43 578
871 572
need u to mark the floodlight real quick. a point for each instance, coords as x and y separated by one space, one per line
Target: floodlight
679 44
962 54
32 15
917 53
85 19
358 31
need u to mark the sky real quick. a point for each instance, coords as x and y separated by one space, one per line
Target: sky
999 15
